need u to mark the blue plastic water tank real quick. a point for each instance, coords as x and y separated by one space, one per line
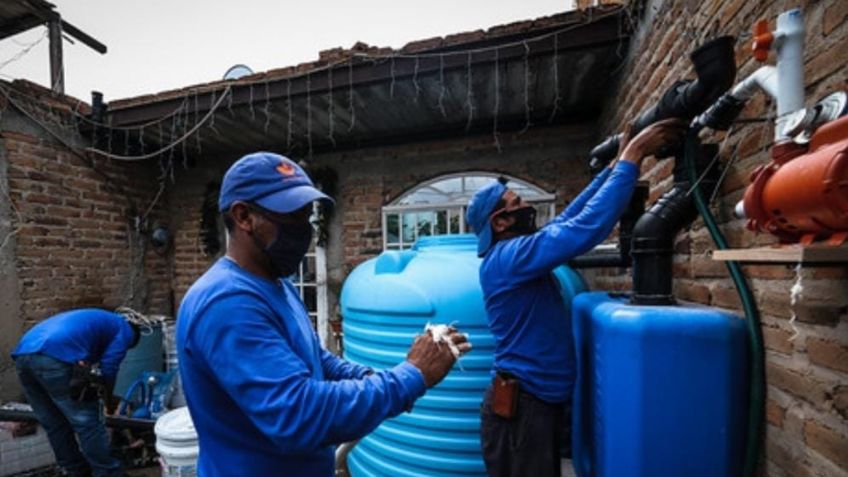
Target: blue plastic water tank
385 302
146 356
661 390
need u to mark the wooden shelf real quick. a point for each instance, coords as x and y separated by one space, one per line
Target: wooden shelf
791 254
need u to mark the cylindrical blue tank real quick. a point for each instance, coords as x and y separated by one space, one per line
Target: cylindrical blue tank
661 390
385 302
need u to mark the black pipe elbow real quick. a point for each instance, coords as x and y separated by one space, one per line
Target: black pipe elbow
715 67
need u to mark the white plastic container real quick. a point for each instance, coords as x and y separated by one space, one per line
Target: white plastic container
176 443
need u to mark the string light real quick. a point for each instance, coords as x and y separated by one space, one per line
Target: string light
309 113
442 89
212 118
330 107
174 143
392 74
557 97
469 96
497 105
196 121
289 120
526 88
350 96
415 79
267 108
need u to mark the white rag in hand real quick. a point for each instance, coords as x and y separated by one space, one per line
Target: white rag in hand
440 335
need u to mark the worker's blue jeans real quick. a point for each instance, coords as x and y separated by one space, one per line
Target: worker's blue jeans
46 382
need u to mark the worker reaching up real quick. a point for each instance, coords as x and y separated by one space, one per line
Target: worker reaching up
523 412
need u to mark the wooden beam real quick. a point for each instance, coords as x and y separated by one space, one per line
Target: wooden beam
83 37
785 254
57 73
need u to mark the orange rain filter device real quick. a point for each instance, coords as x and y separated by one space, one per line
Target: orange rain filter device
802 194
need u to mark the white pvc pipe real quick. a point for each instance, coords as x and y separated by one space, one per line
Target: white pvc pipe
789 42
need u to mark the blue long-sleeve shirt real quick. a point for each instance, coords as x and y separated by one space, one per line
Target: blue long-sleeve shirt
87 334
526 314
265 398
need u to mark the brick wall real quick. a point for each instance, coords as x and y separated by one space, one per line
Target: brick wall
71 236
807 360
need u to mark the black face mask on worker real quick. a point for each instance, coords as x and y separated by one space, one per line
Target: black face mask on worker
287 250
525 220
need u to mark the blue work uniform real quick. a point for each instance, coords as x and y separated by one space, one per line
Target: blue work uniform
527 316
45 359
87 334
265 398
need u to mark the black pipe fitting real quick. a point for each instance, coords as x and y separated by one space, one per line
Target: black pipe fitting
652 246
715 68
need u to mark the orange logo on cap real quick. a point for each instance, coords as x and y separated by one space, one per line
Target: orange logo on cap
286 169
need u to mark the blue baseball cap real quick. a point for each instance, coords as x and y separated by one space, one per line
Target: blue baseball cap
481 206
269 180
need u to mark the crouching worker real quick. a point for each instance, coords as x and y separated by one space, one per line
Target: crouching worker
265 398
523 413
66 363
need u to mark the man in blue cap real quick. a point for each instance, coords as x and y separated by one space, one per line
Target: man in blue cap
66 363
265 398
522 418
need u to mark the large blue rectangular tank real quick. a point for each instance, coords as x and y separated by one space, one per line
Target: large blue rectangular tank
661 390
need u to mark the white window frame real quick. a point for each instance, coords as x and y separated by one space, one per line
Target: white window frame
450 207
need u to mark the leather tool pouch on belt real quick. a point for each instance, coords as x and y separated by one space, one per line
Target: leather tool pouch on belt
86 383
505 396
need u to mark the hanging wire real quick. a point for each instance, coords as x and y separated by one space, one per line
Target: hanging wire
250 103
392 74
212 118
442 89
557 97
309 113
267 108
17 56
289 119
469 96
173 144
415 79
330 108
526 88
497 100
350 96
199 131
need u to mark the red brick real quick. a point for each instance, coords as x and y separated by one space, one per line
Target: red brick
828 353
834 16
774 413
777 339
827 442
800 385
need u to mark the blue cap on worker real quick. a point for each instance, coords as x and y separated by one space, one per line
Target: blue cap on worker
481 206
269 180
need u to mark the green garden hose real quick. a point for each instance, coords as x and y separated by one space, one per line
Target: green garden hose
756 402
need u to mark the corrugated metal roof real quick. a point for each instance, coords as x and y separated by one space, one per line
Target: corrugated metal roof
556 69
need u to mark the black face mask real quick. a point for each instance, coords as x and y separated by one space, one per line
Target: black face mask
525 220
288 249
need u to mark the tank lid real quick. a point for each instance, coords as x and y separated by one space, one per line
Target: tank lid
459 242
176 425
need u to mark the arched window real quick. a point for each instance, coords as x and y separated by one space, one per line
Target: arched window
437 207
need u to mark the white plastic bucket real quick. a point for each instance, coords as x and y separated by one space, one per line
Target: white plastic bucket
176 443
